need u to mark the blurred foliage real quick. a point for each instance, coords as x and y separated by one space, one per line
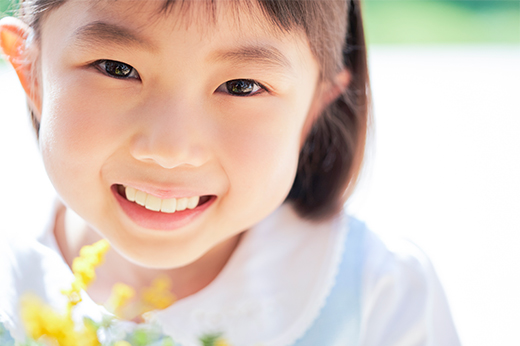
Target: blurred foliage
428 21
442 21
7 7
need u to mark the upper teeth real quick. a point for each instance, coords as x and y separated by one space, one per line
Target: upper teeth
151 202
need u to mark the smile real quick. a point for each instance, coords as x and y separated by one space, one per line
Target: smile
152 212
150 202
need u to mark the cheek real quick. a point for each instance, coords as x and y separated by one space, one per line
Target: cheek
79 129
261 150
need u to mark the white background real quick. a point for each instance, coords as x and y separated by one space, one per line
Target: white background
443 170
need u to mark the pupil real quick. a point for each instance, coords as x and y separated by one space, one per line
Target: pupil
240 87
117 68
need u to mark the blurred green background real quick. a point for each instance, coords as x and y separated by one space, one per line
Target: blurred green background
414 22
442 21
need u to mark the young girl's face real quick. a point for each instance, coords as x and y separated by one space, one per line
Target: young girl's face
174 108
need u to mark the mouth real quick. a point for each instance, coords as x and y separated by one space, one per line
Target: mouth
153 203
156 213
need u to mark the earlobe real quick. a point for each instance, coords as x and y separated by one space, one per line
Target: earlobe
330 90
337 87
13 42
327 92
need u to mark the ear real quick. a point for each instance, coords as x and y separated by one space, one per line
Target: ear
15 46
326 93
332 90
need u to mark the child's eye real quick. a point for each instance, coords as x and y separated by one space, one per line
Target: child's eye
117 69
241 87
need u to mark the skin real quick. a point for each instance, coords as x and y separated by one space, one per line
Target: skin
174 126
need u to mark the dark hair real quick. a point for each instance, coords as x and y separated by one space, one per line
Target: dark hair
331 157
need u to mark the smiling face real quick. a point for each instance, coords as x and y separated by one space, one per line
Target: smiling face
173 112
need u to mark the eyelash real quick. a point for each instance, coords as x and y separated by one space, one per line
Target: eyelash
226 87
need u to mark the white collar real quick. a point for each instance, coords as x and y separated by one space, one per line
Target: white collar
271 290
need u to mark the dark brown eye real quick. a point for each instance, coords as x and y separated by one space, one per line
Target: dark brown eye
118 69
242 87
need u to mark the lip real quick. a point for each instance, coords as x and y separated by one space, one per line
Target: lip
165 192
157 220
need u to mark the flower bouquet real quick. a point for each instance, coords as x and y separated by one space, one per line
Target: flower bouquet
45 326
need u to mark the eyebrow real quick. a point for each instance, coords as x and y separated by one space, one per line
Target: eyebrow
264 55
98 32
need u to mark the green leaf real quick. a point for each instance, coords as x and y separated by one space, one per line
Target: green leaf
209 339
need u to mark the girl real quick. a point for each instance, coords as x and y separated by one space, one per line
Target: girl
214 143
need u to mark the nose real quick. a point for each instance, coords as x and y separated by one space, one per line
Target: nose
170 135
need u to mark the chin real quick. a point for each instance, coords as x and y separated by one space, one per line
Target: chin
156 260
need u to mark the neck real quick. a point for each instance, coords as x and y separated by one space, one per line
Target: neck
72 233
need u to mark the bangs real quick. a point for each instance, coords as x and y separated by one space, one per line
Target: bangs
275 15
317 19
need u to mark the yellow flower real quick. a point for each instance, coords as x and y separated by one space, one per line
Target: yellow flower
84 266
119 298
158 295
90 257
221 342
43 323
88 336
95 251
